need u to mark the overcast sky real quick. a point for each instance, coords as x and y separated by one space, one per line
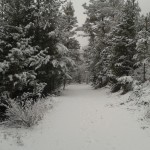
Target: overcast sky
144 4
79 10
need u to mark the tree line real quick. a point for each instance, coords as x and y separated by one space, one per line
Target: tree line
118 50
38 50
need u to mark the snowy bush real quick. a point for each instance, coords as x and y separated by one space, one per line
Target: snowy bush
26 116
125 79
141 94
126 83
115 88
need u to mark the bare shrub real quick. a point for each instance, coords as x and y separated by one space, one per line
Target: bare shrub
26 116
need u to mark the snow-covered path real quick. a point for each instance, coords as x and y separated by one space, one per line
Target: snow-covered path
82 120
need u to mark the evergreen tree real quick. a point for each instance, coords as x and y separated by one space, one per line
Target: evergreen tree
68 25
2 9
142 46
32 59
124 41
124 46
101 18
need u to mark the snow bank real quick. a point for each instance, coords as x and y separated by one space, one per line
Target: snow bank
141 94
125 79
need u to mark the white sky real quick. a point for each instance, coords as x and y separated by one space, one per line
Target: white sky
79 10
144 4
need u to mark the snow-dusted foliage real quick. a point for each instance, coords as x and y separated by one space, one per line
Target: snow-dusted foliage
141 57
26 116
112 27
101 16
123 40
34 57
68 25
125 79
140 94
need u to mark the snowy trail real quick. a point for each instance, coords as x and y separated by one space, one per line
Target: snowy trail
81 120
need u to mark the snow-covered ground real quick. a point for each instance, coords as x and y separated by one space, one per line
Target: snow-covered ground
82 119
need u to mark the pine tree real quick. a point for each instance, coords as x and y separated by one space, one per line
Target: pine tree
124 41
142 46
124 45
68 25
2 9
101 18
32 57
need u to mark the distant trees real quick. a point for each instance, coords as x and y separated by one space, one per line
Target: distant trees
68 25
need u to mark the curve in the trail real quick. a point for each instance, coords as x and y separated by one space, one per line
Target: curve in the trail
81 120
